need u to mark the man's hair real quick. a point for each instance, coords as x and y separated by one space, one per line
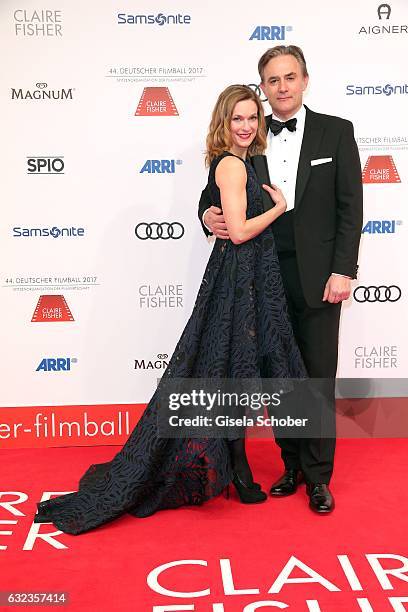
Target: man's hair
282 50
219 131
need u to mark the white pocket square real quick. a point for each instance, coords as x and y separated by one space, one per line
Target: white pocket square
323 160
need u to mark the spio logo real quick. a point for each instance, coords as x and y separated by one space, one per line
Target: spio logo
56 364
273 32
160 166
384 10
381 227
45 165
157 231
47 232
377 294
159 19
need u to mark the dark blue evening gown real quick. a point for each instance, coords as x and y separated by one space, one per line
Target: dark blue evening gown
239 328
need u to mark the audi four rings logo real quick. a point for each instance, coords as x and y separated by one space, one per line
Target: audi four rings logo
159 231
377 294
258 91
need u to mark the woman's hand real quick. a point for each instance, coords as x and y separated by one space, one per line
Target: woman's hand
277 197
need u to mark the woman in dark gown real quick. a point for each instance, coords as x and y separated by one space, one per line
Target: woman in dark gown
239 328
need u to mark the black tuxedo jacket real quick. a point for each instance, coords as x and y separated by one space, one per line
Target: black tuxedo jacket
328 213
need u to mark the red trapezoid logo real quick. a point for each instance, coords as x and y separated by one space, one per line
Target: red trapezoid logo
51 309
380 169
156 101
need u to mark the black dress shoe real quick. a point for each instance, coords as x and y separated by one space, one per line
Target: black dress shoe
287 484
321 500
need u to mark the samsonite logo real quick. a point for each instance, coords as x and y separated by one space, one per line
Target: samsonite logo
270 32
160 166
56 364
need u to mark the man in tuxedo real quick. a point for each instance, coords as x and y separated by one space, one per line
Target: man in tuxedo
314 159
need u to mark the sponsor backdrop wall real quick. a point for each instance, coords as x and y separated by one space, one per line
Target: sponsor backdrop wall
105 109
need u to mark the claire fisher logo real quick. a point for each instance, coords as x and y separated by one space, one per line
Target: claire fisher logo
52 309
161 296
386 27
43 22
156 101
380 169
42 93
376 356
160 19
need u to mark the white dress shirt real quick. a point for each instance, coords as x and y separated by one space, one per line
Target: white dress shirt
283 151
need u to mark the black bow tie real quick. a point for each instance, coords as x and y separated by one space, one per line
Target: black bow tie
277 126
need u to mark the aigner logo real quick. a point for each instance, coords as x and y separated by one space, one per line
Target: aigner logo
384 10
377 294
156 231
384 14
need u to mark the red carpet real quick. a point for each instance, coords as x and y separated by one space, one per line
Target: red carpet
107 569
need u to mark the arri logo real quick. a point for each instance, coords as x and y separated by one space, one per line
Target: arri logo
47 232
56 364
273 32
156 101
377 90
52 309
381 227
160 166
45 165
380 169
160 19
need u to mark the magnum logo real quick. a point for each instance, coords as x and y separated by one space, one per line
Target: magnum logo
50 309
156 101
380 169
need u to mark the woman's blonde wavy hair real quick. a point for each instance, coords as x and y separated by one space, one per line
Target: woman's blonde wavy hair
219 132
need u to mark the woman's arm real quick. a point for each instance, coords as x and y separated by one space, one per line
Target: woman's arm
231 178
